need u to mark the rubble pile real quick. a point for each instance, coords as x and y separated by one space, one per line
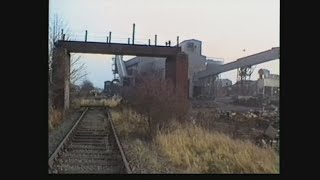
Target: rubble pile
259 126
203 104
246 101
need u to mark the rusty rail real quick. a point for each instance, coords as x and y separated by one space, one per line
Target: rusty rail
124 159
62 143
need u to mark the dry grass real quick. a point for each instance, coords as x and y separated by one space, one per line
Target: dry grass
189 149
130 123
55 118
110 102
145 159
143 155
198 151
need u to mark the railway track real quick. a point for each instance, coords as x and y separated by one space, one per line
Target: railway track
90 147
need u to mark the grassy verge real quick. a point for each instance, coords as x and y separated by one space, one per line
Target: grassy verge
196 150
186 148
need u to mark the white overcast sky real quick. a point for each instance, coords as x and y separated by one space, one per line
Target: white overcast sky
225 27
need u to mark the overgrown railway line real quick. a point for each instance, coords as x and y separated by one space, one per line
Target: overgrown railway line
90 147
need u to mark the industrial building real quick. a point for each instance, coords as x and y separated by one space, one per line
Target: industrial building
197 62
203 72
222 87
268 85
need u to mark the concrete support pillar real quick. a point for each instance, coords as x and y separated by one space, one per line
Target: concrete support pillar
190 86
177 72
170 69
67 82
61 78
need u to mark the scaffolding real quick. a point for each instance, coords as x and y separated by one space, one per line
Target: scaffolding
114 68
244 74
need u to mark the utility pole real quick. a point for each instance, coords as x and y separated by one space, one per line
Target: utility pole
177 41
155 40
85 38
134 28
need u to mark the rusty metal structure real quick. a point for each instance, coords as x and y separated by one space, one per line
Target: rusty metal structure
176 63
244 66
244 74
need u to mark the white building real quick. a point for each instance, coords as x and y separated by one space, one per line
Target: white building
268 84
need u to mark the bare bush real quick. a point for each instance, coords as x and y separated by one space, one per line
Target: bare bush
156 99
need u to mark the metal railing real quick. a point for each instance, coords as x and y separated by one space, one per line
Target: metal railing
109 37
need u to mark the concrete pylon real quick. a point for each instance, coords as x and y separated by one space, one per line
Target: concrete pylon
177 72
61 78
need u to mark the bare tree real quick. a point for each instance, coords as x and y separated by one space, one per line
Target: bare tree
78 70
57 28
87 86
